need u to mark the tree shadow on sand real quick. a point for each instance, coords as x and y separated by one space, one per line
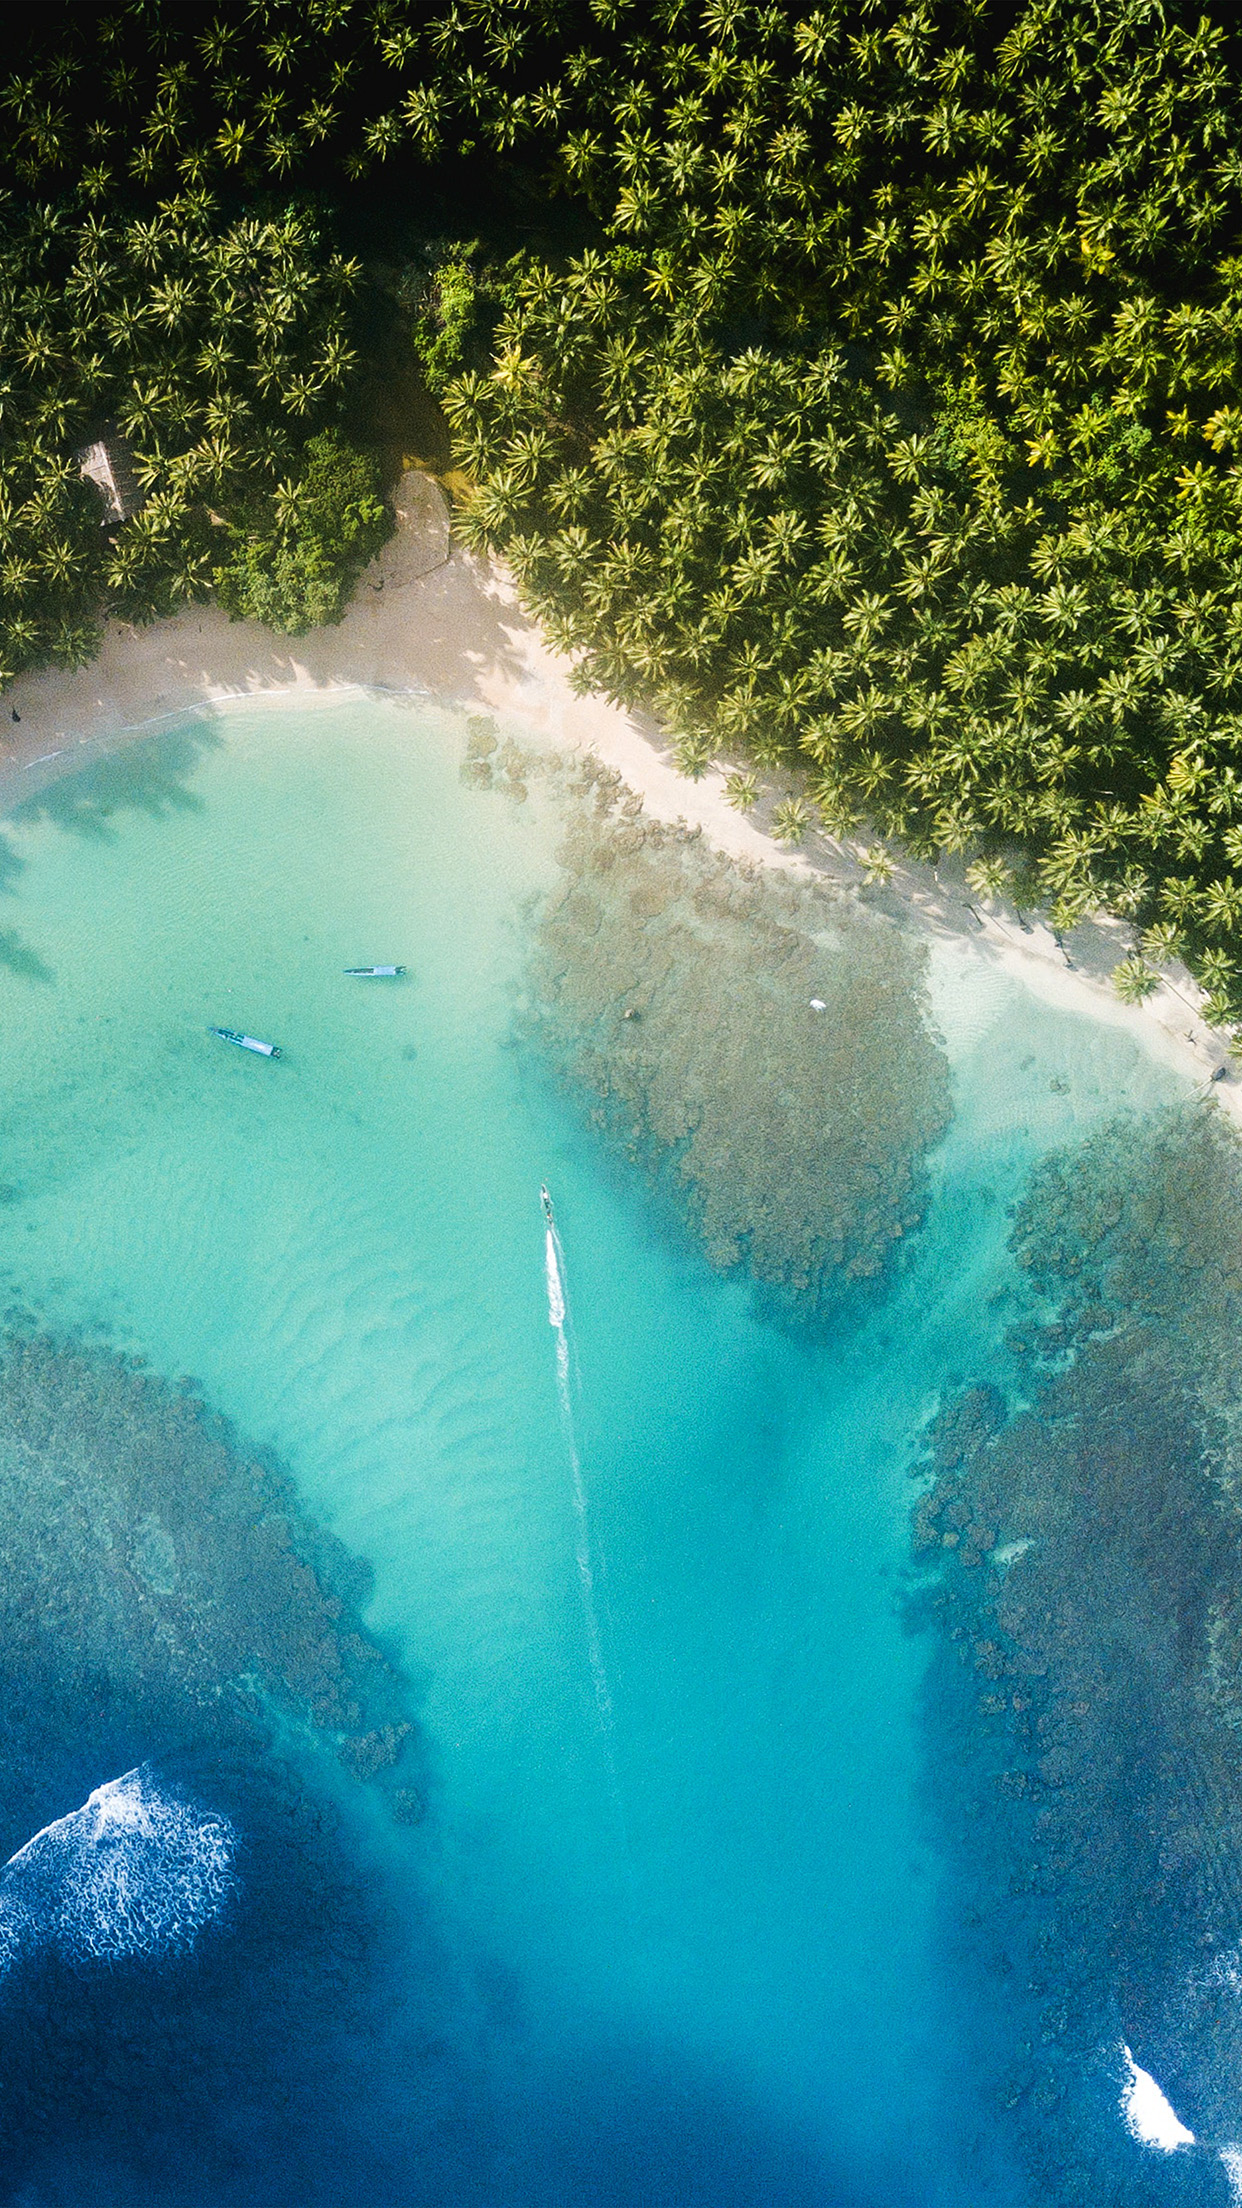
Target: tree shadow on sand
149 776
20 960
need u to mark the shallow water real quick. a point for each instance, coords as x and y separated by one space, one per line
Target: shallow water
686 1909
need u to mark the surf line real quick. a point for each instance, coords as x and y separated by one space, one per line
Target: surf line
558 1320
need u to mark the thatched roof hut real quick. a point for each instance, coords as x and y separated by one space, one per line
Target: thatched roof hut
109 465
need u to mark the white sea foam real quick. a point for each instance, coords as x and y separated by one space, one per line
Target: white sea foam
135 1871
1149 2116
1226 1970
1231 2157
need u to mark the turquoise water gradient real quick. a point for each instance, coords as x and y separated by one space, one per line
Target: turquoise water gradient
696 1955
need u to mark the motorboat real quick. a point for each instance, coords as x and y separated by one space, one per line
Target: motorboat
546 1201
246 1042
374 973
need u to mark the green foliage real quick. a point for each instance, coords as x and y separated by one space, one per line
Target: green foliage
448 319
892 429
300 548
762 548
791 819
1134 980
210 345
968 441
458 299
958 525
990 878
255 97
742 791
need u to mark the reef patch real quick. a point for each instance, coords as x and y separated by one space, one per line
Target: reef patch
759 1046
190 1948
1080 1552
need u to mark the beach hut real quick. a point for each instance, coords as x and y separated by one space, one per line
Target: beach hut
108 464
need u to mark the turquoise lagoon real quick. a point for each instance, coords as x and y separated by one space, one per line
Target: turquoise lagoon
681 1924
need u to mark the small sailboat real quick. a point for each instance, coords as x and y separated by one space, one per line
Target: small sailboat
546 1201
374 973
246 1042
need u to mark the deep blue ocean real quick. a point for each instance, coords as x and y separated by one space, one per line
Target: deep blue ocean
635 1894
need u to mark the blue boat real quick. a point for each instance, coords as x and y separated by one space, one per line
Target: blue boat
246 1042
375 973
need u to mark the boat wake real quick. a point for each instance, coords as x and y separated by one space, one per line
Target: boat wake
134 1872
558 1320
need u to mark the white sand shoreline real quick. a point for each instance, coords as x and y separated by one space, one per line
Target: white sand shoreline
429 620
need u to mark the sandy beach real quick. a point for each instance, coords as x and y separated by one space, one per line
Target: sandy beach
430 619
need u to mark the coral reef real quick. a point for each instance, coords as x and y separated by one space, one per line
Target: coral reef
716 1017
164 1604
1081 1558
150 1565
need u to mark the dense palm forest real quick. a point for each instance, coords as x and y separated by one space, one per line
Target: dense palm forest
859 387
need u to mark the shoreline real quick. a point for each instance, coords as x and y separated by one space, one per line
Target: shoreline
430 619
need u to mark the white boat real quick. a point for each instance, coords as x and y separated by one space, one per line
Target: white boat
374 973
246 1042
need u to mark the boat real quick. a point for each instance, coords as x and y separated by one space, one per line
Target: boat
246 1042
375 973
546 1201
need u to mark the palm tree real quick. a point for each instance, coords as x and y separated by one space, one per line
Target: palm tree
1134 980
742 791
990 878
791 820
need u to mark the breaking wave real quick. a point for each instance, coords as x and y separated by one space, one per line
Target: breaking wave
134 1872
1149 2114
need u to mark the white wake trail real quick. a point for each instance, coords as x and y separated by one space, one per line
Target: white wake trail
558 1320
